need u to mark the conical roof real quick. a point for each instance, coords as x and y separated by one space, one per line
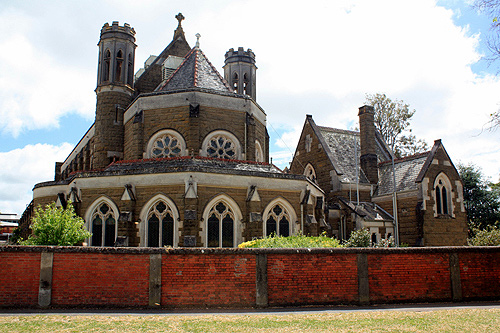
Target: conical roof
196 71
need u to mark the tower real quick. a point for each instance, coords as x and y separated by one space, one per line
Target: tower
240 70
115 87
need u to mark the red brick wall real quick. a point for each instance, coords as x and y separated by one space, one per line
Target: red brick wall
100 279
195 280
480 274
296 279
19 278
409 277
83 276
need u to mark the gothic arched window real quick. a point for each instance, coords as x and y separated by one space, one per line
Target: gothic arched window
278 219
235 82
130 70
107 61
103 224
310 173
245 84
119 66
221 144
259 153
442 195
220 225
160 225
166 143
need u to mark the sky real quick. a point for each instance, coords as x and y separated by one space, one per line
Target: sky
317 57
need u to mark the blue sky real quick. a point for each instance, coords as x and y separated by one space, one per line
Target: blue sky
317 57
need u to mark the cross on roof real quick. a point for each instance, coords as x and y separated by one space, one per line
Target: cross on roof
179 18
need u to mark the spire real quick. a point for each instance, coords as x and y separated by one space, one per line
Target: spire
196 71
179 31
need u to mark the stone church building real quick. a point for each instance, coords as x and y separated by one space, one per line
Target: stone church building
178 155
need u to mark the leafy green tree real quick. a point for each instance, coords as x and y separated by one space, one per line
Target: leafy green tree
57 226
492 9
487 237
392 119
481 201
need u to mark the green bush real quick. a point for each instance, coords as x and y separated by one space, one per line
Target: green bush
387 242
359 238
56 226
298 241
486 237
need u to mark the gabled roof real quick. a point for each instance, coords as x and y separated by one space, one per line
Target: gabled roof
437 144
406 169
342 146
196 71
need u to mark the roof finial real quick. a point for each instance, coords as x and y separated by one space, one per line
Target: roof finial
198 40
179 32
179 18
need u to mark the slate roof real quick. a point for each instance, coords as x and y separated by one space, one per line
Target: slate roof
196 71
407 170
182 164
368 210
343 144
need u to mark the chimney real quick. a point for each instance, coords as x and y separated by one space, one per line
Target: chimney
368 155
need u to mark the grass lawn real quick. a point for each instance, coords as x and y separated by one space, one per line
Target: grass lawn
460 320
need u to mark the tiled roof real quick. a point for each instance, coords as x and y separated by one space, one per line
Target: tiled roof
368 210
196 71
406 169
343 144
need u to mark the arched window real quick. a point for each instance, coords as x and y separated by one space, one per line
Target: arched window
222 217
166 143
221 144
310 173
235 82
442 195
130 70
245 84
278 218
102 218
105 69
259 153
159 226
119 66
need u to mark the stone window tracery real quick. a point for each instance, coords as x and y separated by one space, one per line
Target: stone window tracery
442 195
220 226
310 173
221 144
119 66
107 60
278 221
103 225
167 143
160 225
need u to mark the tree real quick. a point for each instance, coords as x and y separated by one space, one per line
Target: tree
57 226
392 119
492 9
481 201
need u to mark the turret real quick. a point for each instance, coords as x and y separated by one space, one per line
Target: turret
115 80
240 70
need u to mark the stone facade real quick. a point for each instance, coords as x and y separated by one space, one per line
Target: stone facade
179 158
364 198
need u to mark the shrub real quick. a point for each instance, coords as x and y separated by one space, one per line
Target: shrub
297 241
486 237
388 242
56 226
358 238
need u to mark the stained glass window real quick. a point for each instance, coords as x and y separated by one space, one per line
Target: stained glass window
103 226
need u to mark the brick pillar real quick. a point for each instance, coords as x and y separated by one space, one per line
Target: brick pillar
368 157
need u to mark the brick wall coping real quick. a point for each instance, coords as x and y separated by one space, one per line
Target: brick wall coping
236 251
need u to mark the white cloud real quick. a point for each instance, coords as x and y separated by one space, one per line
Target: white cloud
23 168
315 57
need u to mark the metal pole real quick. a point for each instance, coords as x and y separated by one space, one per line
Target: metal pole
395 201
